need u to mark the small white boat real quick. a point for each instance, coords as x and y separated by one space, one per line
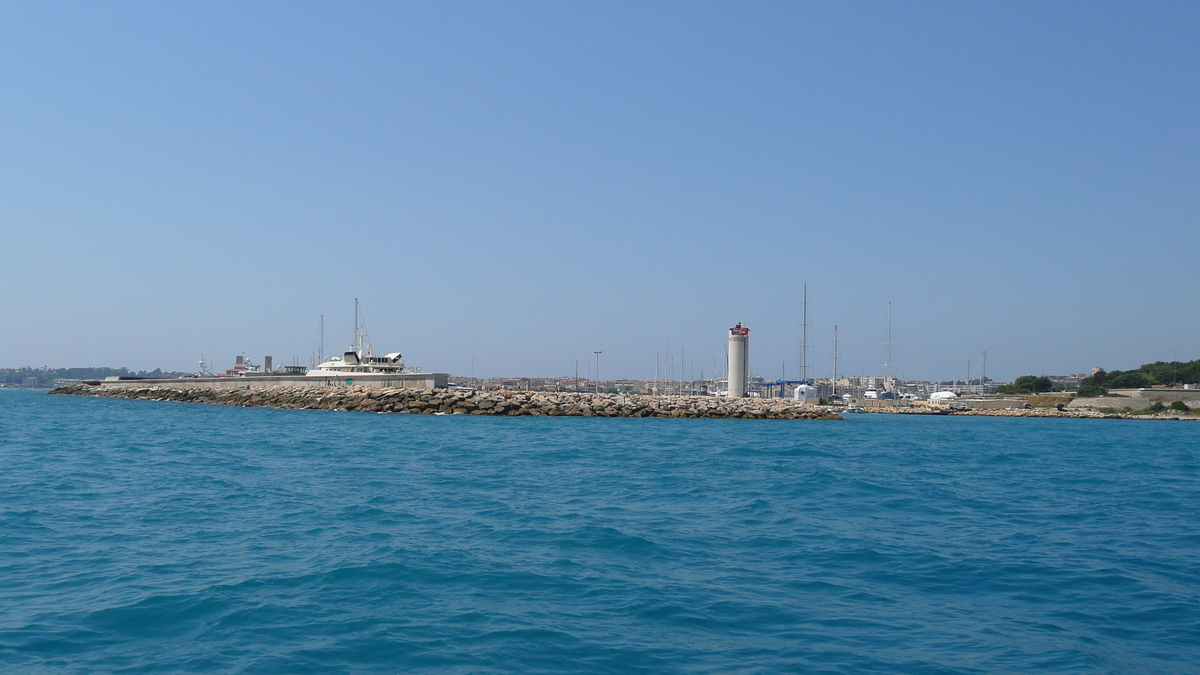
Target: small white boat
852 408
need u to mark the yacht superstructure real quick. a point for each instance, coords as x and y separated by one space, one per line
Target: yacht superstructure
361 357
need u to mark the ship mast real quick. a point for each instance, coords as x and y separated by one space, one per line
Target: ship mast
835 358
889 373
361 343
803 374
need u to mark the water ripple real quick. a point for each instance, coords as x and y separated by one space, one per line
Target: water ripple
140 537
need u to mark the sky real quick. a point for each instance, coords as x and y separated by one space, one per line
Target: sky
509 187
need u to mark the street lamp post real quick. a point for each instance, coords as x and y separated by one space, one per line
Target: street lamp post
597 371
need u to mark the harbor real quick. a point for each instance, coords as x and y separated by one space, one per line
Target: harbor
357 379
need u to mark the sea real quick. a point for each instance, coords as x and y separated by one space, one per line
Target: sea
160 537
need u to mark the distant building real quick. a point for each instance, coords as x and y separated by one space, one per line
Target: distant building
627 386
1068 381
240 367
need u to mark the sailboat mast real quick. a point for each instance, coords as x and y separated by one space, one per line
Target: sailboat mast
889 344
835 358
804 337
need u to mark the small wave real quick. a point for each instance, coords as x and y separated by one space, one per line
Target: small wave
141 537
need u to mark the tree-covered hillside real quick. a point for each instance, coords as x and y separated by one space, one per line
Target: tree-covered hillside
1148 375
1027 384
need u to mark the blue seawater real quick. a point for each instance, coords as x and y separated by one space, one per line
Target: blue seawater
148 537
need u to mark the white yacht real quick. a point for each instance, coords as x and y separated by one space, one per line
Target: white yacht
360 361
361 358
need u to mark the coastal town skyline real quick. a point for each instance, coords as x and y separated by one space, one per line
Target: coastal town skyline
679 365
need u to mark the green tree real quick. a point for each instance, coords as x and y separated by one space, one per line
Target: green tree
1027 384
1093 385
1129 380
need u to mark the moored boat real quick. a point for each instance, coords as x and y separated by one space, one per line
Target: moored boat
361 358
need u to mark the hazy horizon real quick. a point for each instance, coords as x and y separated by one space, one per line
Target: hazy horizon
509 188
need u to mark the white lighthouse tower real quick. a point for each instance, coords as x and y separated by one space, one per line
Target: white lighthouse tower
739 347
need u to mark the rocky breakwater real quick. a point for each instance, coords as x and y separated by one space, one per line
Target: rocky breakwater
508 403
1079 414
1032 412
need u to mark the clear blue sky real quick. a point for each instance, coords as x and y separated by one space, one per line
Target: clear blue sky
523 184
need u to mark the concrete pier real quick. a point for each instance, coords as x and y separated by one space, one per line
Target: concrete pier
267 381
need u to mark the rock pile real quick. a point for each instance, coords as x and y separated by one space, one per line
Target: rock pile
1077 414
1034 412
508 403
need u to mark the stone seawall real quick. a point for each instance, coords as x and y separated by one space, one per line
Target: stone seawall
1036 412
1118 404
507 403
